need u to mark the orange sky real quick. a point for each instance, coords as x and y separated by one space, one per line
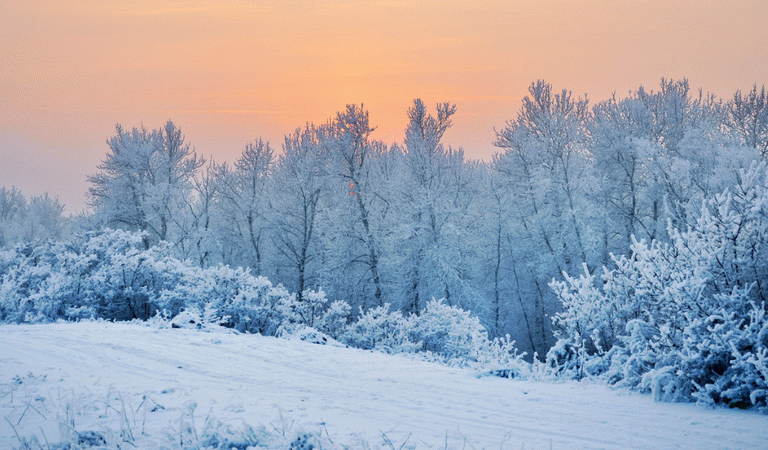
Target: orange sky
228 72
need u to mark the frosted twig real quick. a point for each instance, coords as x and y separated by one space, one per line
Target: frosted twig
14 430
326 431
386 440
29 405
45 438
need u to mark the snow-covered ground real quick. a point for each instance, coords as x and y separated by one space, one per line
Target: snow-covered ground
153 385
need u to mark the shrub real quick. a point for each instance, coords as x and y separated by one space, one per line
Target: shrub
684 320
335 319
110 275
381 329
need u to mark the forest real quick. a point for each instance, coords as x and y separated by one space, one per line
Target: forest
601 235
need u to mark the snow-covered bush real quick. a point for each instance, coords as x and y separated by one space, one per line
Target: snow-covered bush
729 358
456 337
110 275
104 274
570 361
499 357
305 311
255 309
246 302
441 333
686 319
27 293
448 331
122 283
335 319
381 329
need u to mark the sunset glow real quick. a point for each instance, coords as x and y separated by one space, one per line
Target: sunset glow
229 72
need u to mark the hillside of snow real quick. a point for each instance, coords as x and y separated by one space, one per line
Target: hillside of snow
96 384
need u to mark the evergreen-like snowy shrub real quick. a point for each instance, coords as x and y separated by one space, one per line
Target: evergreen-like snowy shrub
686 319
729 355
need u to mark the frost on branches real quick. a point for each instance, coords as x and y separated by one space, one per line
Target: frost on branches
684 320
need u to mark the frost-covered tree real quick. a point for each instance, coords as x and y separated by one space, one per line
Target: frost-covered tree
299 193
145 182
657 156
200 240
243 201
12 203
12 207
500 278
747 117
348 139
32 221
434 208
617 145
547 165
44 219
673 125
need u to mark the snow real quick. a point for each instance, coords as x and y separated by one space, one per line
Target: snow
144 380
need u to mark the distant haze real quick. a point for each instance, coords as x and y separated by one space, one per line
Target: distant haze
229 72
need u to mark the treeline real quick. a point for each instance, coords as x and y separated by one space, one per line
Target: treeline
30 220
374 224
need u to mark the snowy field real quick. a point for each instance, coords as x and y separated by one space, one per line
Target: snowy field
158 387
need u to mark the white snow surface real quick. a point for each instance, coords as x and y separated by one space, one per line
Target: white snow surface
110 376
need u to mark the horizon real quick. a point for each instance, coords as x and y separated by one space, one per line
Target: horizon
231 72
